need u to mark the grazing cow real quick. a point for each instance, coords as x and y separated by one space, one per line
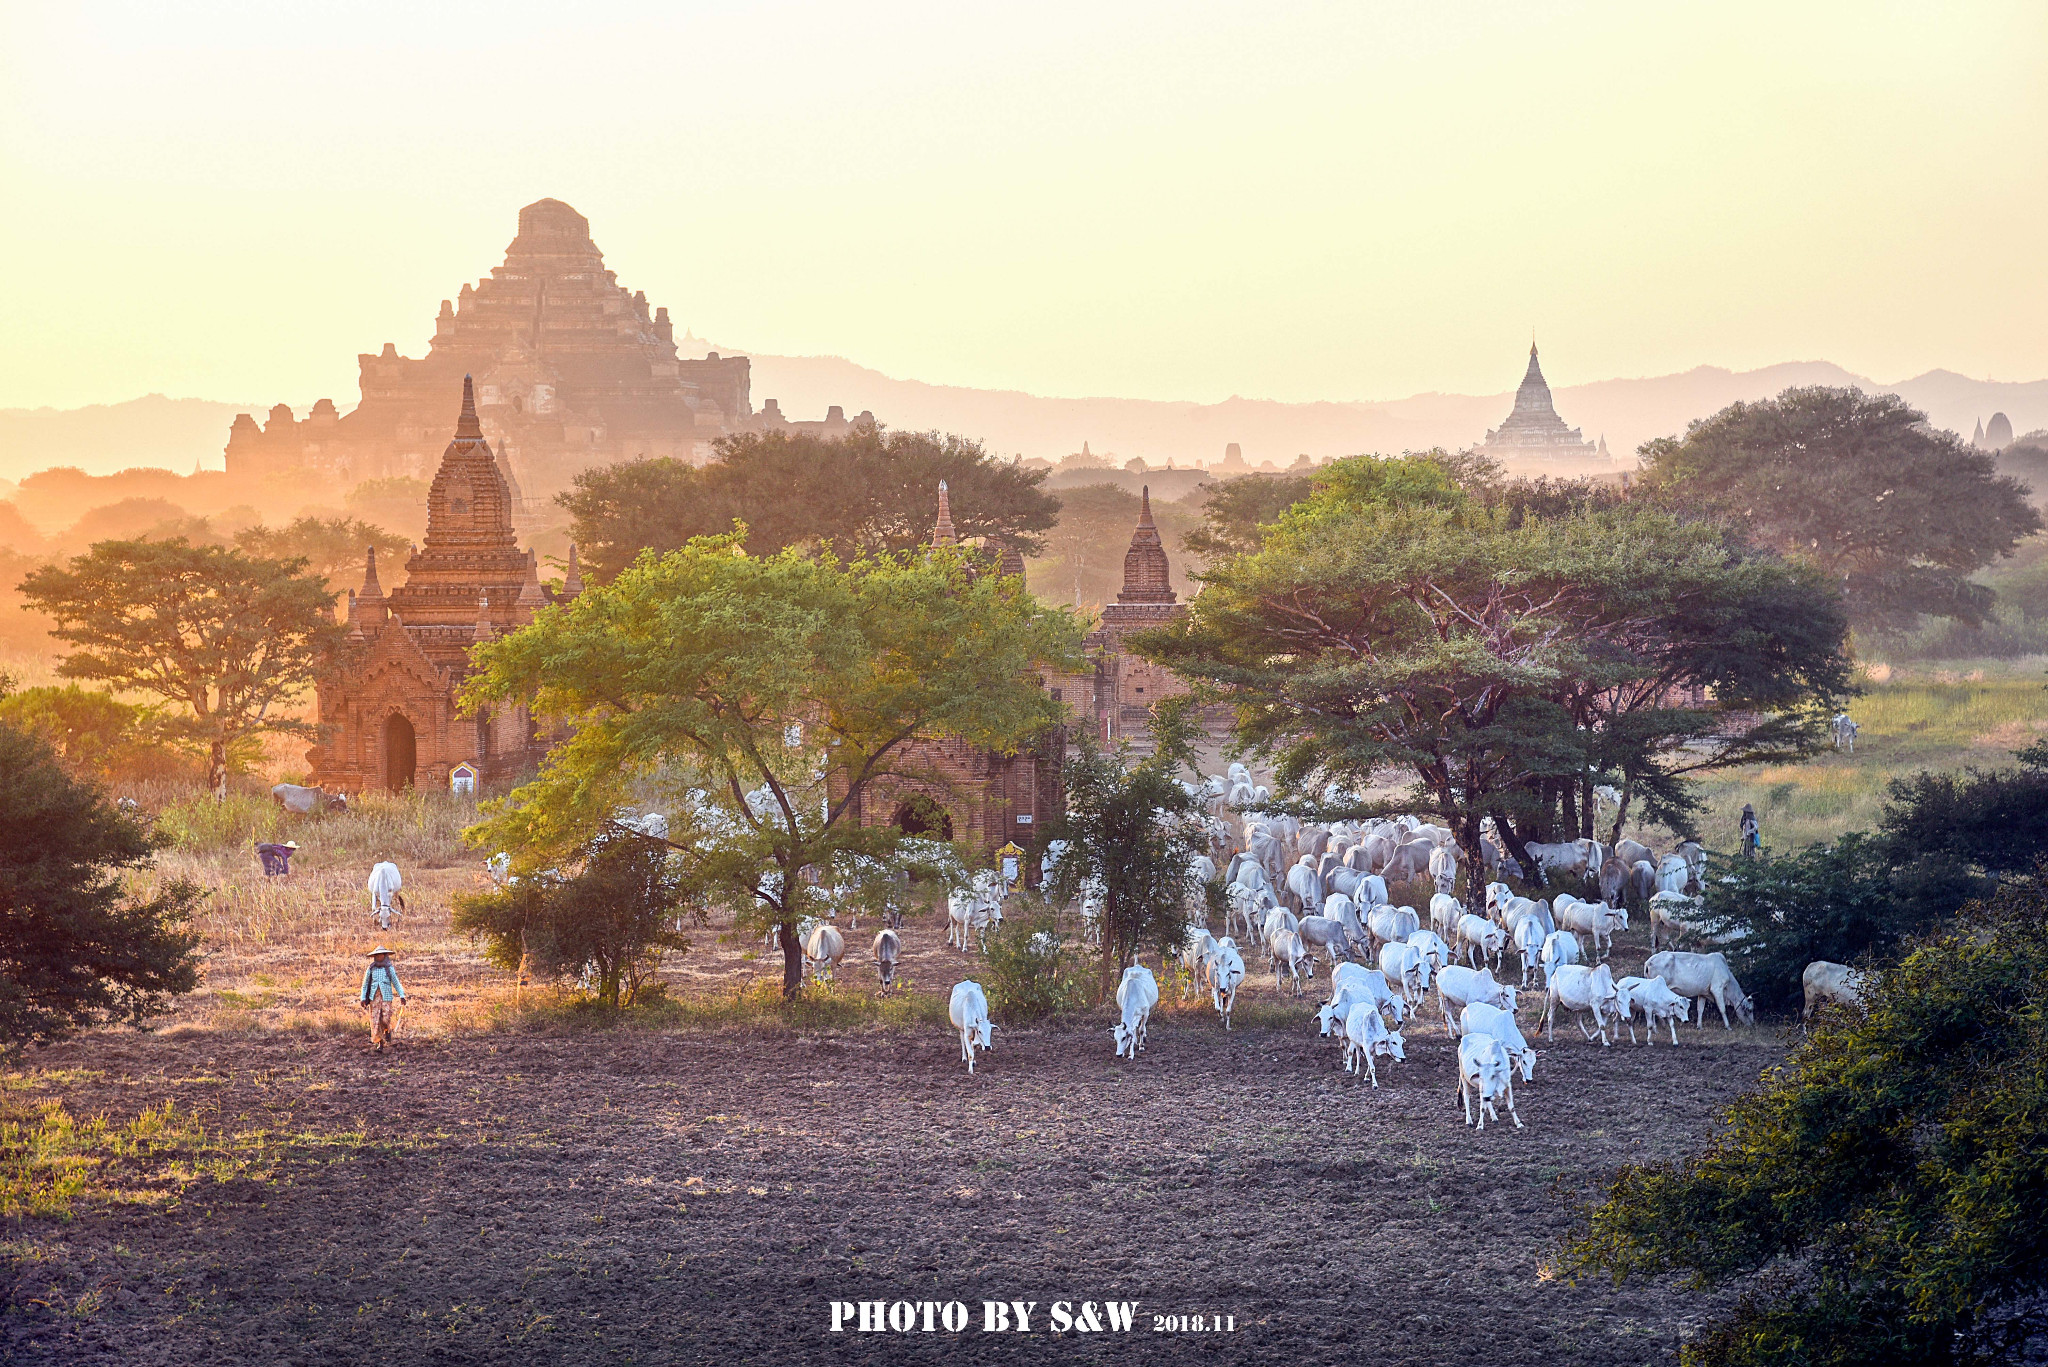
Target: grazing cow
1566 857
968 1010
1580 989
1197 947
1482 939
1830 982
1226 975
1444 911
1597 919
1431 947
1702 977
1484 1074
1324 934
1443 867
1529 939
383 889
1392 924
1410 861
1457 988
1290 956
1629 851
1136 994
1613 879
961 905
293 798
888 951
824 947
1658 1002
1672 912
1365 1036
1480 1018
1406 965
1560 947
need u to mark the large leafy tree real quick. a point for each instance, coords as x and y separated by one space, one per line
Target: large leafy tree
1502 659
229 640
768 695
332 547
872 490
1897 514
1892 1172
76 947
1235 510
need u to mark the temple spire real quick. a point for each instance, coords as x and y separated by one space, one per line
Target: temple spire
467 427
942 534
1147 578
484 631
572 581
371 588
530 595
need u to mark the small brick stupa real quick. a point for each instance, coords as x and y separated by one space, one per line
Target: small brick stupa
390 697
1126 686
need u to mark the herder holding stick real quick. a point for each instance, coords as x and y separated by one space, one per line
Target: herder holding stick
382 993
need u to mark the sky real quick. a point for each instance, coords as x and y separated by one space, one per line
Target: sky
1183 200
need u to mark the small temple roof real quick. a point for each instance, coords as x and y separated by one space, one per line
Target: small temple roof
572 580
1147 577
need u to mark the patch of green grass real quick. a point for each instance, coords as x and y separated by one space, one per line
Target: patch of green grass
416 829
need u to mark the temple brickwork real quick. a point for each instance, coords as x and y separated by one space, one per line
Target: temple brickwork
389 699
572 371
1127 686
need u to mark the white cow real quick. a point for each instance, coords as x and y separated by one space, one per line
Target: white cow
1483 1075
968 1011
1410 860
1197 949
1444 911
1565 857
1481 938
383 888
1580 989
1290 956
1597 919
1432 948
1226 975
1824 982
1322 933
1443 867
1392 924
1365 1036
1674 913
1529 939
1136 994
1844 731
1483 1019
1658 1003
1702 977
1673 874
824 947
1560 947
1303 883
960 908
888 952
1458 987
1406 965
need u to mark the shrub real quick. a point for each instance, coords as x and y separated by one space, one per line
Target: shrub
1031 970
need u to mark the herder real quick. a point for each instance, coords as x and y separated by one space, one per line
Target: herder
382 992
276 859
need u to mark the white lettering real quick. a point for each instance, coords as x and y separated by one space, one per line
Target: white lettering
1088 1323
1120 1314
929 1307
871 1316
954 1317
902 1316
995 1317
1023 1309
1061 1319
840 1310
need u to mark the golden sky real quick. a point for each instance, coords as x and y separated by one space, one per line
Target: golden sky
1161 200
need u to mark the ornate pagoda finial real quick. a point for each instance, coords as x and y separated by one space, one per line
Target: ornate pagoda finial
371 588
942 534
530 595
484 630
467 427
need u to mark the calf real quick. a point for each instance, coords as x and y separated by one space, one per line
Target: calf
1658 1002
968 1010
1702 977
1580 989
1483 1075
1136 994
888 951
1366 1035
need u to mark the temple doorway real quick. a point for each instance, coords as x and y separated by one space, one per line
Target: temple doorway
922 816
401 753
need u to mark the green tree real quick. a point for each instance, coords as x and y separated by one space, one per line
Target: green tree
1507 661
227 639
626 904
872 490
1133 831
1993 822
1892 1172
768 696
331 547
1895 513
1236 509
90 731
76 948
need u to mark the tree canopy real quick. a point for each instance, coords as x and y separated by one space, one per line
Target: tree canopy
1508 661
1236 509
767 696
331 547
1892 1171
872 490
227 639
76 947
1895 513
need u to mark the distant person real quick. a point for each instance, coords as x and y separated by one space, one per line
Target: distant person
382 992
1752 834
276 859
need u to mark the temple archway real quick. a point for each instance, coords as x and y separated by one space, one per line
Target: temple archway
401 753
919 815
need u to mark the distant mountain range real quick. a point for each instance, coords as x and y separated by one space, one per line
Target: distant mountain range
179 434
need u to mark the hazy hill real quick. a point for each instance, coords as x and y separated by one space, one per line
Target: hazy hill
177 434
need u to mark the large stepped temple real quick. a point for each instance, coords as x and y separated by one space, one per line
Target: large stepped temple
1534 432
572 371
389 700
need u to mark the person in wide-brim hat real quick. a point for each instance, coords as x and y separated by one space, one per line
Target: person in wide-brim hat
382 992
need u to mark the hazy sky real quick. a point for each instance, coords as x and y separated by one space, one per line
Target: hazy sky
1171 200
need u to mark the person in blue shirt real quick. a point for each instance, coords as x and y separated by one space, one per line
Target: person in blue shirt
276 859
381 994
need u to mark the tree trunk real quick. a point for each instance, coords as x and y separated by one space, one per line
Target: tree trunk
217 770
1620 815
1568 809
1513 846
792 960
1586 807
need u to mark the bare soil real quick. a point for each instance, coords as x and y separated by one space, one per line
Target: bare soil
548 1195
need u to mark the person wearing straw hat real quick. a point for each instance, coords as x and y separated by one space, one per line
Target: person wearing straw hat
382 992
276 859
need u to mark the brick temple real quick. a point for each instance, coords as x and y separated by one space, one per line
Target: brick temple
390 699
573 371
1127 686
